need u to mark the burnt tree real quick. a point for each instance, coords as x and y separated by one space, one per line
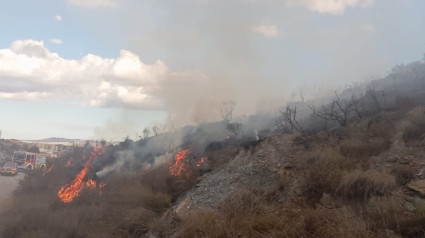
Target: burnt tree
287 121
339 110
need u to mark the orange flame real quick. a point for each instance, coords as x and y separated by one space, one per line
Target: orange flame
201 161
90 183
101 185
178 166
227 137
48 170
68 163
67 193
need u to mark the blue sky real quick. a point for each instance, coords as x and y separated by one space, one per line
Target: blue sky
107 68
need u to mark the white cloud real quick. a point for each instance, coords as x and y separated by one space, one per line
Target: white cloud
56 41
58 18
268 31
92 3
29 71
336 7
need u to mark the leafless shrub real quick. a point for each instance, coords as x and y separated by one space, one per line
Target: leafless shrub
227 110
233 129
156 130
146 133
287 121
339 110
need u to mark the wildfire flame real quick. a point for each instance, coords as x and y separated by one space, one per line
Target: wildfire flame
68 192
48 170
68 163
91 183
177 167
201 161
101 185
227 137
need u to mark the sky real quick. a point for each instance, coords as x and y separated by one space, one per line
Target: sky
93 69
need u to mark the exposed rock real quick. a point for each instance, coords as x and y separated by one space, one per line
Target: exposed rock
418 186
409 206
403 161
392 159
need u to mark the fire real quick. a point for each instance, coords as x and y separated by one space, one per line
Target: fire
227 137
101 185
201 161
68 192
178 166
147 167
48 170
91 183
68 163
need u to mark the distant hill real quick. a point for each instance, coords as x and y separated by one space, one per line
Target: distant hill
56 139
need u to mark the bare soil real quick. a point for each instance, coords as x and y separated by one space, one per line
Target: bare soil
8 184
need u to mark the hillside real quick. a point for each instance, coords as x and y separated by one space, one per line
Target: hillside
352 167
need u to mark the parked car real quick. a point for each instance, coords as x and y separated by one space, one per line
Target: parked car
10 168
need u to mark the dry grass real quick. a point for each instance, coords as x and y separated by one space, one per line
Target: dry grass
403 173
357 147
252 217
359 186
325 167
414 134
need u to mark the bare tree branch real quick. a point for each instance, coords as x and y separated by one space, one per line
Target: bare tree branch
287 121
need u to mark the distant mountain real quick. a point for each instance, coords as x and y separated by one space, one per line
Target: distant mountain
56 139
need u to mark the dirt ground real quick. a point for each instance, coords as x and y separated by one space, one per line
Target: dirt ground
7 185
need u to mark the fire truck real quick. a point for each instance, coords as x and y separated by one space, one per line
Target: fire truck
29 160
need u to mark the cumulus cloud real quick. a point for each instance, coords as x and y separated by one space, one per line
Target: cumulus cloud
56 41
336 7
58 18
268 31
29 71
92 3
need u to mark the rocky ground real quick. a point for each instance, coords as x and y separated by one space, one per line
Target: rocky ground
277 157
